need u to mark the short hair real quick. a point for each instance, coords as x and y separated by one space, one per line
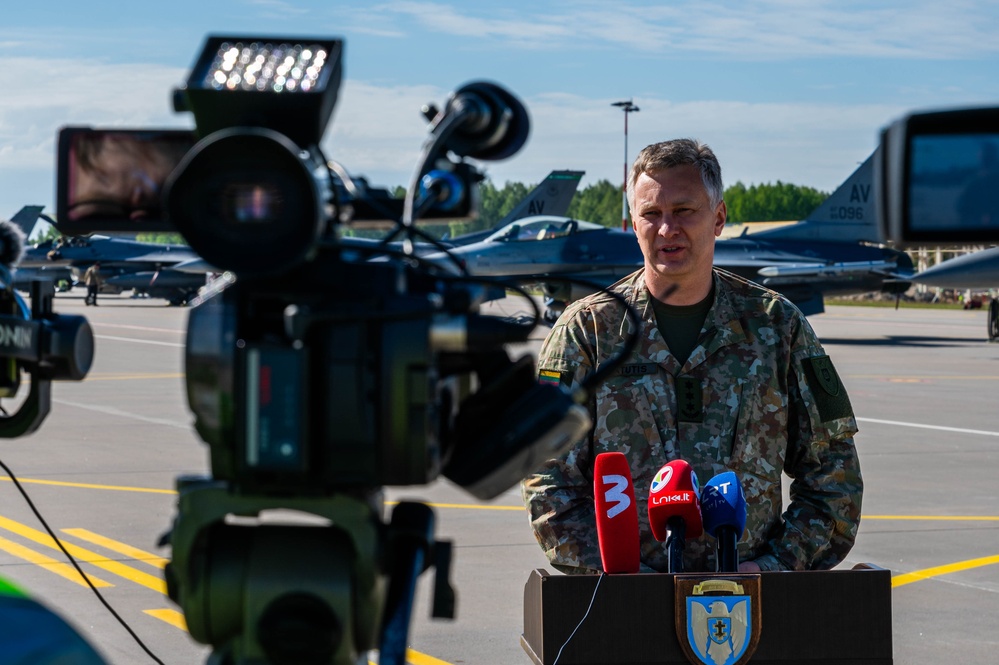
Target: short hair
678 152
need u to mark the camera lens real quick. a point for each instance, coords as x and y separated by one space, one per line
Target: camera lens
246 200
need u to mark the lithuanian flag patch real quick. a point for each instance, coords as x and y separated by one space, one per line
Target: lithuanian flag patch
549 377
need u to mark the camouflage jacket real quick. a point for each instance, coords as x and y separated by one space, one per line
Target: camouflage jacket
760 397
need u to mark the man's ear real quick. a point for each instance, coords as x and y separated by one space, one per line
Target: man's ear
721 214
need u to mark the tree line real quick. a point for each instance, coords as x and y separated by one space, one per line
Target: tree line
600 202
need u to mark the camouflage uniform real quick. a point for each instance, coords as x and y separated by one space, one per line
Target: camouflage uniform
757 396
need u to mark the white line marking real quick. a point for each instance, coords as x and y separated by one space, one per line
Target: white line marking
958 430
111 411
177 345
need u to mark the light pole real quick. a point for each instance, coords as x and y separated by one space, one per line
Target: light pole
627 107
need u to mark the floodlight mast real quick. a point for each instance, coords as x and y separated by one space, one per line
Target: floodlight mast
628 107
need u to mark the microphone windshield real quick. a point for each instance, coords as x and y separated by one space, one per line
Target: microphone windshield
723 504
674 493
11 244
617 513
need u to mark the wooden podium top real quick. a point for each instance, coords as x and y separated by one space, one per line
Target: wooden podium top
836 617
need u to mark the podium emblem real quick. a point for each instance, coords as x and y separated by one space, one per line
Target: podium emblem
718 619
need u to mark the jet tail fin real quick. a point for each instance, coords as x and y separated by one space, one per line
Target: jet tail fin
551 197
848 215
26 218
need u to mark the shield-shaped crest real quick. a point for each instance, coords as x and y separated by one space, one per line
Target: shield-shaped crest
826 374
718 619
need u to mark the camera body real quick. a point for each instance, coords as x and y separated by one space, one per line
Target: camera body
318 373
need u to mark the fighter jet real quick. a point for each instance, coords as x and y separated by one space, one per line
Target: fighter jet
977 270
125 264
832 252
25 219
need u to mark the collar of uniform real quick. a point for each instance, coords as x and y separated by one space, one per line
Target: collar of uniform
651 345
722 325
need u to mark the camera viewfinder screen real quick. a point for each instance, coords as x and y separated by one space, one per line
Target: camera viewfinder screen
954 182
114 178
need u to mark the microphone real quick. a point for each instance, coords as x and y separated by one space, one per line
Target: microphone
617 513
494 123
675 509
11 247
723 507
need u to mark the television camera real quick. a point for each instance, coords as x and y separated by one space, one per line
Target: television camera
937 179
317 376
36 341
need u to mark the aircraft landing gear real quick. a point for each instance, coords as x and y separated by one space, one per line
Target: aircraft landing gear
994 320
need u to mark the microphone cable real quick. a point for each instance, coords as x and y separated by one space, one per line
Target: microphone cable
581 621
76 565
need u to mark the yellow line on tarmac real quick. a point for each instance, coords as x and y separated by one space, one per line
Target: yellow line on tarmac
917 575
417 658
81 554
119 547
466 506
133 377
90 486
176 619
50 564
172 617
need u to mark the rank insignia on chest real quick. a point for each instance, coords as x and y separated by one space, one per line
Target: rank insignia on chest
718 620
689 400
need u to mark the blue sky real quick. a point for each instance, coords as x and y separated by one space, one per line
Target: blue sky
781 89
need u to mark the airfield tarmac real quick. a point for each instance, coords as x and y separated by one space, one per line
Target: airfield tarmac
924 385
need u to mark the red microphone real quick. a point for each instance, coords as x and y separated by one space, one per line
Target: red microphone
617 513
675 509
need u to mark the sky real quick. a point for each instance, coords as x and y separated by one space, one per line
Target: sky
782 90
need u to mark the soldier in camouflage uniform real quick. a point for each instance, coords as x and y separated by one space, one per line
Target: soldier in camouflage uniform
753 392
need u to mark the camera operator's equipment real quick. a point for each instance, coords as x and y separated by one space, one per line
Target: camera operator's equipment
938 178
317 377
36 341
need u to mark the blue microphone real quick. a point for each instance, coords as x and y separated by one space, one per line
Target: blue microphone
723 509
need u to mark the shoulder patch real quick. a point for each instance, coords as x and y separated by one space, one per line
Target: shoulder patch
553 377
830 395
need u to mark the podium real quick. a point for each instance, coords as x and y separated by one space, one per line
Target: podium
835 617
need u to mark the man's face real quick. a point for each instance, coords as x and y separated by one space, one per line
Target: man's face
676 228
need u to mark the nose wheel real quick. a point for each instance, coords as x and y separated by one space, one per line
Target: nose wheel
994 319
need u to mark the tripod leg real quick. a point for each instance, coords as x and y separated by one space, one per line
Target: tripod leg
410 540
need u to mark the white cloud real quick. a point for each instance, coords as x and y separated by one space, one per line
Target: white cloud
377 131
755 29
